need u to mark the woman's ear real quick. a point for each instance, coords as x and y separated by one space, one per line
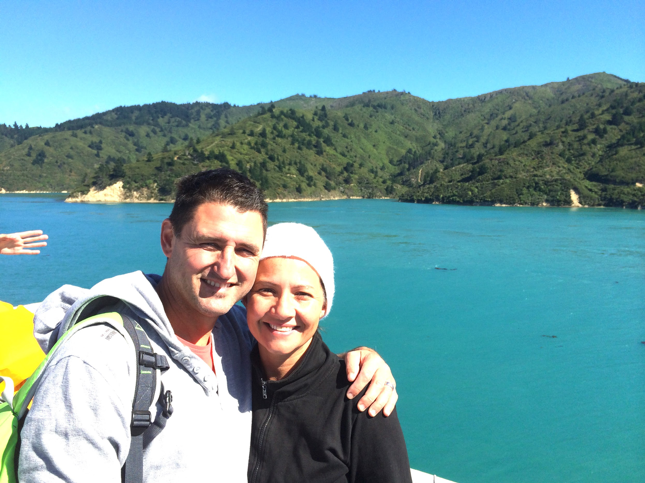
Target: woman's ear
245 299
323 311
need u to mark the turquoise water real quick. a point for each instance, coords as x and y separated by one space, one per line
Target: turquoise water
487 393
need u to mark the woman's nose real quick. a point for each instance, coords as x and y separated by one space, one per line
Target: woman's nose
285 307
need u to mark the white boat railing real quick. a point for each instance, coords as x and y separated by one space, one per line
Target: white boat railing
421 477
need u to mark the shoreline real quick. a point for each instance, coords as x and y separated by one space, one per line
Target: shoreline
138 198
502 205
117 194
295 200
5 192
115 202
277 200
289 200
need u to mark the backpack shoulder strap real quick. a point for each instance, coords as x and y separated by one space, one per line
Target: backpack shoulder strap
147 391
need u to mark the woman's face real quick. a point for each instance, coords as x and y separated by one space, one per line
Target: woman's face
284 306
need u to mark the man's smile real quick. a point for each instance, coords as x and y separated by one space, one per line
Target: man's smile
214 284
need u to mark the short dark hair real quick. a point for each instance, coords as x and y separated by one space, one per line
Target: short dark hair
222 185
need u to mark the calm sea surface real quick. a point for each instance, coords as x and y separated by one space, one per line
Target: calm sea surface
523 361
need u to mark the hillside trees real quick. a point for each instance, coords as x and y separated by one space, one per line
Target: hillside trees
39 159
523 145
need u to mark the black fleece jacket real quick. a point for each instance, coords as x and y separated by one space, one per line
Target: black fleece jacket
306 430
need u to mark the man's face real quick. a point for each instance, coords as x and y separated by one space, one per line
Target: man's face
212 263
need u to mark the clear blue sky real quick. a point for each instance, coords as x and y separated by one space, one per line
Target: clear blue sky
62 60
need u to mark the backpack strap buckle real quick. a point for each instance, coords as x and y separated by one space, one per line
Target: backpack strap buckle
141 419
153 360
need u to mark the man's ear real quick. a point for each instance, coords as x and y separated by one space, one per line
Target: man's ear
167 237
245 299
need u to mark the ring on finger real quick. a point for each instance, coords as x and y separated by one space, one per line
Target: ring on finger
389 384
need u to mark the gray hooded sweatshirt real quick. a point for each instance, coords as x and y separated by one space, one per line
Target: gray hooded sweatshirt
78 428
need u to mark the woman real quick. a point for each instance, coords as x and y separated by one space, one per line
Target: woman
304 428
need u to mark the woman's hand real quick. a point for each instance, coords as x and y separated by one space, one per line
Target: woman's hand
20 243
365 366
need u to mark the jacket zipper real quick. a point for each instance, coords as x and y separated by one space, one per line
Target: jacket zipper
262 433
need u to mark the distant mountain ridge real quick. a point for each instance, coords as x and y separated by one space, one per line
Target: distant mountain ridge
526 145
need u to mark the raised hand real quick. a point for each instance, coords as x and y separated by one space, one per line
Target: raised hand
22 243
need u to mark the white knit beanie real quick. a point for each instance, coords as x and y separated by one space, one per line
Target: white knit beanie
294 240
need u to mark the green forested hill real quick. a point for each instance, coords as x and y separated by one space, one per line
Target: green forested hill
525 145
67 155
533 145
350 148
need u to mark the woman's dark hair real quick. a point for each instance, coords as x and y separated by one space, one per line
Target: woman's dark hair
222 185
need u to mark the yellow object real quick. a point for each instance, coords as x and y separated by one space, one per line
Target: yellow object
20 353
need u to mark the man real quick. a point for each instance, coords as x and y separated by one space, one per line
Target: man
78 429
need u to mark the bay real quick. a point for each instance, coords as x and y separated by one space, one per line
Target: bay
514 333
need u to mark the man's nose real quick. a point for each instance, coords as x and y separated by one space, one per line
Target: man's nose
226 263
